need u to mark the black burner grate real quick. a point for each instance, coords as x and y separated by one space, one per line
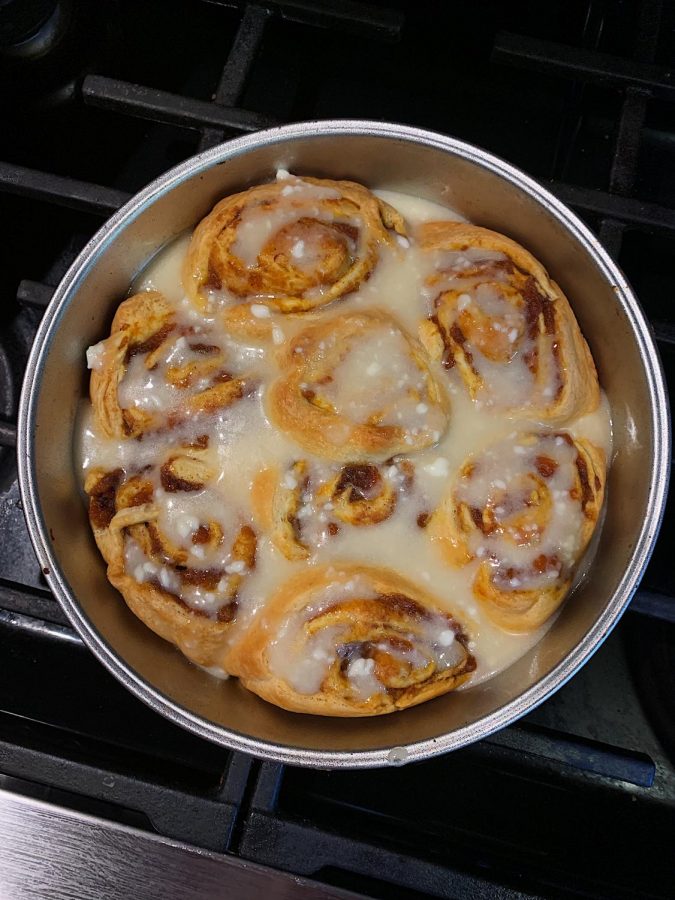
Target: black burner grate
579 797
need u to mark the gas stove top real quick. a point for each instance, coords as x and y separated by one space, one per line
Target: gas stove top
97 99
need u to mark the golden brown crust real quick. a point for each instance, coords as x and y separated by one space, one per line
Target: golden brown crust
558 355
454 523
122 508
200 638
145 326
140 325
297 403
386 619
517 611
344 228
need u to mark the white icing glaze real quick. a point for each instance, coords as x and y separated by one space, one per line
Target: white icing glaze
145 390
391 388
317 521
502 481
96 356
486 303
415 210
214 671
242 443
302 660
163 271
258 224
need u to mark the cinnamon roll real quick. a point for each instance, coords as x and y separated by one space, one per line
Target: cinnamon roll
174 551
155 372
291 246
355 388
525 509
302 507
505 326
349 640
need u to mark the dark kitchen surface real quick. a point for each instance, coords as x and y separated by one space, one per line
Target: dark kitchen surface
97 99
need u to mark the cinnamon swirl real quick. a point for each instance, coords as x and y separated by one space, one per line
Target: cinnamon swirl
174 553
291 246
525 509
153 372
507 328
356 387
303 507
352 641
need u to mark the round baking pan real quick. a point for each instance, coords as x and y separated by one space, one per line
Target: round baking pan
489 192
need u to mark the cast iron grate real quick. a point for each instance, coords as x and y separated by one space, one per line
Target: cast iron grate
602 72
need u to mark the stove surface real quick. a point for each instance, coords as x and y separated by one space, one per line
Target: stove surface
97 99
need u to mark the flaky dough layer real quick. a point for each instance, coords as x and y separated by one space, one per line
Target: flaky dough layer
455 522
344 229
558 356
386 620
298 404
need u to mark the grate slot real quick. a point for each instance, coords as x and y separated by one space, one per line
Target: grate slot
312 821
640 78
577 753
626 209
25 602
654 604
203 819
633 114
628 140
242 55
665 333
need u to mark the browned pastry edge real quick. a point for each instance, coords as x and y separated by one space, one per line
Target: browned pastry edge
143 325
119 507
140 325
394 616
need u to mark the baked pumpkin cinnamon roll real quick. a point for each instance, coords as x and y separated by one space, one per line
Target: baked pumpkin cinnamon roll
505 326
356 387
154 372
174 551
291 246
302 507
351 641
525 509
